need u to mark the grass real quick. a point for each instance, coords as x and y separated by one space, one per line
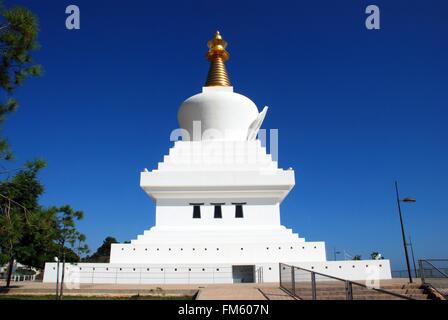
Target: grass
52 297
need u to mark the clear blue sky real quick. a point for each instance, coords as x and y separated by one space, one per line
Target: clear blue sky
355 109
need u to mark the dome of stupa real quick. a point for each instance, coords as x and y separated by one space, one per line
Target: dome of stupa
217 112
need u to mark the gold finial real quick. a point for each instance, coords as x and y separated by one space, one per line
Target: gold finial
217 55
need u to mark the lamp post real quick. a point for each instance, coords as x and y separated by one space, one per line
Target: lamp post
402 228
57 277
335 253
413 258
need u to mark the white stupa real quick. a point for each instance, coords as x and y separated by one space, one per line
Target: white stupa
217 196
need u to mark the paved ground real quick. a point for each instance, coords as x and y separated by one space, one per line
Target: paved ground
246 291
233 292
242 291
275 294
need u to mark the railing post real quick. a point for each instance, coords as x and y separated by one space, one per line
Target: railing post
280 274
348 290
313 285
293 281
422 272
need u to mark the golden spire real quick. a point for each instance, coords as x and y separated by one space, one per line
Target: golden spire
217 55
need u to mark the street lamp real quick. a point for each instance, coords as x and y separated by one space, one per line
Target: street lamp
407 200
413 258
57 277
335 253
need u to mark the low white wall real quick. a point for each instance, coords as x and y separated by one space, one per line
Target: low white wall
210 273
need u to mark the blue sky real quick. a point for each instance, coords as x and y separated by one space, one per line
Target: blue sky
356 109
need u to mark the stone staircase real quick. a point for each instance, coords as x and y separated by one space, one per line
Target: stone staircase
336 291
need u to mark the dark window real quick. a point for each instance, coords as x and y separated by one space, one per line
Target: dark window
218 210
196 210
239 210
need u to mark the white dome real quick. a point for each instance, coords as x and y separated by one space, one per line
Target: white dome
222 113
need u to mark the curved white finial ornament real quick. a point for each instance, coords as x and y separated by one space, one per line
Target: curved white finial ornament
256 125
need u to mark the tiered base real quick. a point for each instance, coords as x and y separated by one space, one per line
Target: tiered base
361 270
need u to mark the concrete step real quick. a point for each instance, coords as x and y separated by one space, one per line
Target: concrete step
362 297
359 293
364 291
336 291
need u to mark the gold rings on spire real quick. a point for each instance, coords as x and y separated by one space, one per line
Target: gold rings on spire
217 55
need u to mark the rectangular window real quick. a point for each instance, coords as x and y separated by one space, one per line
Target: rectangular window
196 210
218 210
239 210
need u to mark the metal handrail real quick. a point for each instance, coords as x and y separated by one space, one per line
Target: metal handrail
348 284
434 259
422 274
427 261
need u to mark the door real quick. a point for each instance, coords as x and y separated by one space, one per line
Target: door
243 274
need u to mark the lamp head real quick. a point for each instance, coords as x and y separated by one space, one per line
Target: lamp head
409 199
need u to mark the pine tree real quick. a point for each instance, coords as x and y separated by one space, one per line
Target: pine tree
18 39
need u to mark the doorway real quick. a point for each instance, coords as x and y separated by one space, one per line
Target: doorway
243 274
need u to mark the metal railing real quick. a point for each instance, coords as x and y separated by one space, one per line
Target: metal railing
405 273
307 284
15 277
434 273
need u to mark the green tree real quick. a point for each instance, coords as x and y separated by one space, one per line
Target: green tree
376 256
69 239
18 38
39 239
82 248
29 233
32 234
19 207
357 257
102 254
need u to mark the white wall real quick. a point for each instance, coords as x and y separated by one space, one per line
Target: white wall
254 215
364 270
225 253
218 171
